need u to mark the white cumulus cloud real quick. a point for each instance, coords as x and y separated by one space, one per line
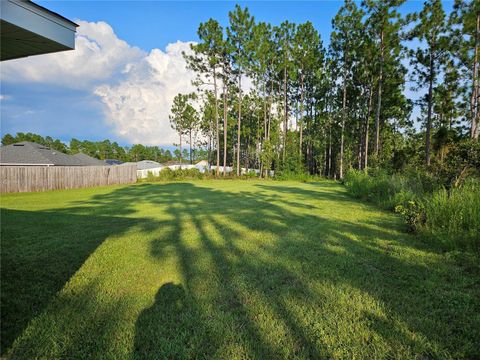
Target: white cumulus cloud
98 56
134 87
138 106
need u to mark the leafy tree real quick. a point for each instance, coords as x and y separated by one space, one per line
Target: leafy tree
384 24
464 45
429 27
240 38
308 57
284 35
345 37
206 63
8 139
183 119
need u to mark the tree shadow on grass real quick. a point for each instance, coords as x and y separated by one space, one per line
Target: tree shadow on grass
305 241
264 276
75 326
369 260
41 250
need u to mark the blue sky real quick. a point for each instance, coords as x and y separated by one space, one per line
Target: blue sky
153 24
105 88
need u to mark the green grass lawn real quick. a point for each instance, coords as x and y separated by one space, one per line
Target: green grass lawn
228 270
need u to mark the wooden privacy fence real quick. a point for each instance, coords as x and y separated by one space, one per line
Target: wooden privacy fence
42 178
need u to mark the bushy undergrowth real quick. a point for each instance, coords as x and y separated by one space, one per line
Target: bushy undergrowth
450 216
454 216
173 175
296 176
388 190
168 174
194 174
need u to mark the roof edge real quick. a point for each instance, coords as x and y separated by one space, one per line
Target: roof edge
27 3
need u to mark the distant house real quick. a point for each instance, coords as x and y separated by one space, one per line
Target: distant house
27 153
88 160
112 162
174 163
144 164
203 163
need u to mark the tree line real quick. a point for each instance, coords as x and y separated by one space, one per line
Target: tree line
325 109
107 149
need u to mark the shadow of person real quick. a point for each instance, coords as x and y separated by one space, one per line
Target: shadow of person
171 328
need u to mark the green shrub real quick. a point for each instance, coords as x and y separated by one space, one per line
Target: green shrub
454 217
413 213
168 174
449 216
295 176
380 188
150 176
251 174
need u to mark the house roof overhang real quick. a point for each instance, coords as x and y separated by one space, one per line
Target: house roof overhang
29 29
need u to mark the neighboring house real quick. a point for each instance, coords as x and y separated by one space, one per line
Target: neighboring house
144 164
143 174
88 160
174 162
112 162
202 163
29 29
27 153
201 166
228 169
148 164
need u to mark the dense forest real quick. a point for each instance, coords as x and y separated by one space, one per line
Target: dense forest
324 110
390 107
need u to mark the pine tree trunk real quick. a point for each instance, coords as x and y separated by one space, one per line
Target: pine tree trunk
286 113
344 116
257 145
430 106
329 150
225 127
216 122
191 159
247 157
239 119
367 125
180 150
269 110
265 135
360 143
301 120
209 149
474 130
379 98
325 157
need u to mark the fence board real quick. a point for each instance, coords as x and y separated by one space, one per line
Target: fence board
42 178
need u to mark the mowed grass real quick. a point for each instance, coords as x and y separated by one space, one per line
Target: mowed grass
227 270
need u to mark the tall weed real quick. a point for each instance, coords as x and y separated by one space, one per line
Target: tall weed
449 216
454 217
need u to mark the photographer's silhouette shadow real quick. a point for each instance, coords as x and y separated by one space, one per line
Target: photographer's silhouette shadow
171 328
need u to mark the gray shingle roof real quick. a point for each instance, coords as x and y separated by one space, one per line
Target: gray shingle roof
88 160
147 164
29 153
144 164
112 162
